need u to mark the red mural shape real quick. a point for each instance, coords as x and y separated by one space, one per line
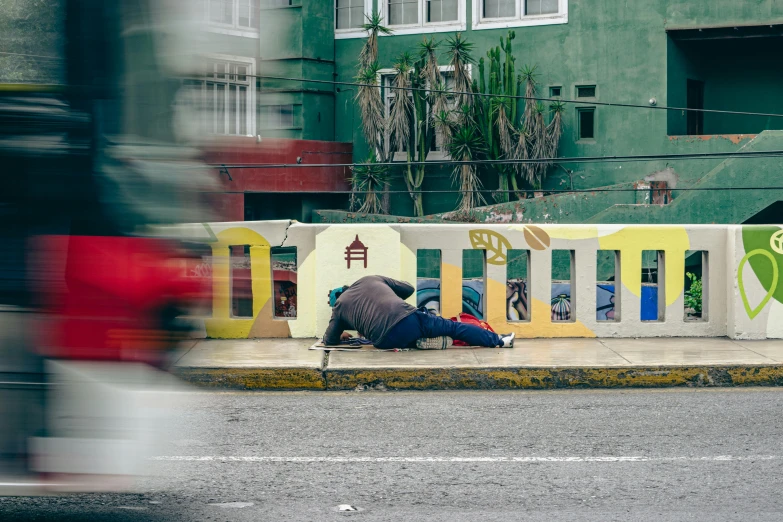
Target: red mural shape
356 251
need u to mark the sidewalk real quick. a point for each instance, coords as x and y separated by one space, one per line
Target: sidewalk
288 364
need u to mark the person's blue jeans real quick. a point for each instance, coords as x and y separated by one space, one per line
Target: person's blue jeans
420 325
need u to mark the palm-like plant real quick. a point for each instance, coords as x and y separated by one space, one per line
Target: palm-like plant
374 27
467 145
368 96
369 179
402 111
459 52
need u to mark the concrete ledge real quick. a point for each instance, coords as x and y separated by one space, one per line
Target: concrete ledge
552 378
255 378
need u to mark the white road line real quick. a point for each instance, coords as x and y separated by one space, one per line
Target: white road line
716 458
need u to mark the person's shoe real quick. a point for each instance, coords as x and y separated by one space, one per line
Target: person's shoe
435 343
507 341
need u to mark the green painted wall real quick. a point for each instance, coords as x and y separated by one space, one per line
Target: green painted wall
624 48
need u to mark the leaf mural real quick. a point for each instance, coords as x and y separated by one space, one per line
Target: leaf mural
496 245
753 312
536 237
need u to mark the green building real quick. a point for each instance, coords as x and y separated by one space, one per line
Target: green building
698 54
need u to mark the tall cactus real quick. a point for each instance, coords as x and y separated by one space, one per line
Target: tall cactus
496 114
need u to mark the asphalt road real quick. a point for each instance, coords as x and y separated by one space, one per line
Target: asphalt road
457 456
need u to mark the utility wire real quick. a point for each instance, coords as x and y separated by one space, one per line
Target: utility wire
523 190
519 97
583 159
33 56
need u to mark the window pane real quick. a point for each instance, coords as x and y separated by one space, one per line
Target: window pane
343 18
243 111
286 116
221 11
245 14
499 8
586 123
357 16
220 109
537 7
403 12
442 10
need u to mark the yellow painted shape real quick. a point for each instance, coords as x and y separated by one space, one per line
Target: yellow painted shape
450 290
541 324
221 324
631 241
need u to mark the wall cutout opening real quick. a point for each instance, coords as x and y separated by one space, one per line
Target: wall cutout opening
653 299
517 286
473 289
199 267
284 281
563 288
696 285
428 279
241 281
607 288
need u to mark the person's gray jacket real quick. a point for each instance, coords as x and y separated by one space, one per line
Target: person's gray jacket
373 305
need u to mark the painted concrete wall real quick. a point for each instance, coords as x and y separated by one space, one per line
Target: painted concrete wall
743 297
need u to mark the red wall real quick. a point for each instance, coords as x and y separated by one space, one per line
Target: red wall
244 151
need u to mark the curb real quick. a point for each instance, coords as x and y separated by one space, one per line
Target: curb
482 378
254 378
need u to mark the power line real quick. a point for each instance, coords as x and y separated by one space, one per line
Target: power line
519 191
519 97
34 56
583 159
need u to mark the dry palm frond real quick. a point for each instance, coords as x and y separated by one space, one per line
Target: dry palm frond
539 144
370 179
430 72
374 27
554 130
505 128
402 111
466 145
528 76
368 97
458 50
444 125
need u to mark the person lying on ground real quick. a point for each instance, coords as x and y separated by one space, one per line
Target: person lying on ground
375 307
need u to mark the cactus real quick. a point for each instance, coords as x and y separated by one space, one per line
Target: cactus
496 114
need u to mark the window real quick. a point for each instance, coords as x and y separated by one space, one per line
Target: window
278 116
488 14
224 97
586 123
540 7
238 14
585 91
695 100
555 92
271 4
499 8
442 11
350 14
403 12
413 15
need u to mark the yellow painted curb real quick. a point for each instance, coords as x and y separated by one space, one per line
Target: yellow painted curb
552 378
255 378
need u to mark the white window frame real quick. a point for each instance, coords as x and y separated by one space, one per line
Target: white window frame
251 88
432 155
352 32
423 26
233 29
519 19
